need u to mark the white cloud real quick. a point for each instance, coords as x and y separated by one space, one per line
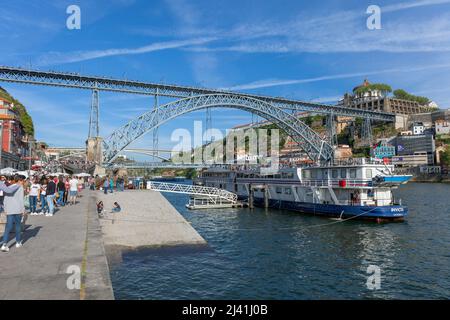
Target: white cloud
413 4
327 99
52 58
342 31
280 82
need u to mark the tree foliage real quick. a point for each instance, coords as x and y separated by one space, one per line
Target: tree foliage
385 89
402 94
24 117
445 156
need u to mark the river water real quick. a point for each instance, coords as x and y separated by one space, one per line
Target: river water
273 254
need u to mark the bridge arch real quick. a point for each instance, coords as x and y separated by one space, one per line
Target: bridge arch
311 142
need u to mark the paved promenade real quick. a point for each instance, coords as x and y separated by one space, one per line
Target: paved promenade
147 219
38 270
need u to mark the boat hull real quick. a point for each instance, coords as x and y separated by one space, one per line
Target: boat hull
382 213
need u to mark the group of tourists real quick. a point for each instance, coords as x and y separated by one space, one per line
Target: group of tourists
109 182
52 192
44 194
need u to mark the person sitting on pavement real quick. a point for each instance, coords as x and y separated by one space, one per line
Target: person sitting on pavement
100 207
116 207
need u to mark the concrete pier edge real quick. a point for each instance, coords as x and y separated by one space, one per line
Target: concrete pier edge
96 281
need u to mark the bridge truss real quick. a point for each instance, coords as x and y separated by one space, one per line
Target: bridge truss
73 80
275 109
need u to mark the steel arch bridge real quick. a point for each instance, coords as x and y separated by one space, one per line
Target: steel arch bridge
274 109
312 143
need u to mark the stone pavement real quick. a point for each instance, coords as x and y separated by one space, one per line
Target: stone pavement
147 219
38 270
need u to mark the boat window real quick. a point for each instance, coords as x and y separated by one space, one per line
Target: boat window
368 173
343 173
313 174
352 173
334 174
287 190
277 176
290 175
278 189
306 174
284 175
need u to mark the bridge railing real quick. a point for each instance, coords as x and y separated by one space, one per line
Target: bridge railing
192 189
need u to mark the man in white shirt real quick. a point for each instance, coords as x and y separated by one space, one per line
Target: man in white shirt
35 189
73 191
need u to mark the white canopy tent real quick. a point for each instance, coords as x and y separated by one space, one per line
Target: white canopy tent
8 171
83 174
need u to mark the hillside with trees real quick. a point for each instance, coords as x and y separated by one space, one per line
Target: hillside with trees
24 116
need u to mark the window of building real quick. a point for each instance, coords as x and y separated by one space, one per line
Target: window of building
334 174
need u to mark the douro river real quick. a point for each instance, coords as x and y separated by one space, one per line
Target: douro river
272 254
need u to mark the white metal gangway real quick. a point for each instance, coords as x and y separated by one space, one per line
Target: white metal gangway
214 194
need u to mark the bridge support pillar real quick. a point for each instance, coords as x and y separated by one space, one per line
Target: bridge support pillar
99 170
94 150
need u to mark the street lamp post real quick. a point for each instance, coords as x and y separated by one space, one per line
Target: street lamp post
30 141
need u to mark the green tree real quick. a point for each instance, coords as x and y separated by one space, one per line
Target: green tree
385 89
402 94
445 156
24 117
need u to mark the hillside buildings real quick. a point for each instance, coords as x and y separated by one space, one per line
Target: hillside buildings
375 100
14 146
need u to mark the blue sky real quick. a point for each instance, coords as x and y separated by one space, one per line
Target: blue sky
309 50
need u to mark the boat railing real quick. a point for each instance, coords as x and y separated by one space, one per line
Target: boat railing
336 183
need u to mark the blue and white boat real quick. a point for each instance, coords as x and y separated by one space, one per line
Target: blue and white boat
355 188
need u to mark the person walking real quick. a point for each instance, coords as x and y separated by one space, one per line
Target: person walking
67 190
35 189
73 190
15 209
44 205
51 190
106 185
2 196
80 185
120 183
111 184
61 186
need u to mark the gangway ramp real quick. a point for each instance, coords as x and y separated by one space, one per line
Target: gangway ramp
201 197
